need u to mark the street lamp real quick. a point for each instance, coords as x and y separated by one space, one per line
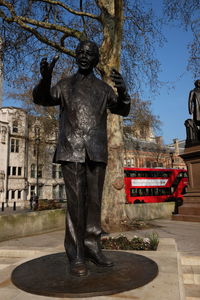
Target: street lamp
37 142
172 158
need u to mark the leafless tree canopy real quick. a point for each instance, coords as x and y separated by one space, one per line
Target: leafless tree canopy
32 29
187 14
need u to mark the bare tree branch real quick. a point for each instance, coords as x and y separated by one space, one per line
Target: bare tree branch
69 9
67 31
83 19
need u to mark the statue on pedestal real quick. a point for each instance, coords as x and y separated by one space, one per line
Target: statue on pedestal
193 125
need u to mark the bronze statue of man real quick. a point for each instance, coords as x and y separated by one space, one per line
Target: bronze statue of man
82 148
194 102
193 125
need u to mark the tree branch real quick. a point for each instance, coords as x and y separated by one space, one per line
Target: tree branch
69 9
50 26
24 21
40 37
83 19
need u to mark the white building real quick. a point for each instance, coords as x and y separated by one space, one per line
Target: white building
26 159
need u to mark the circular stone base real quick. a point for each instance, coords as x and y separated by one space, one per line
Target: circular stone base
49 276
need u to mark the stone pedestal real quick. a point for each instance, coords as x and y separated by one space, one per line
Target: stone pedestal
190 210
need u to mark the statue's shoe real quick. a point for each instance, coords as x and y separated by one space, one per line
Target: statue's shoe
99 259
78 269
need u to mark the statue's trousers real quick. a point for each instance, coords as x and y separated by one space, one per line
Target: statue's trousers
84 186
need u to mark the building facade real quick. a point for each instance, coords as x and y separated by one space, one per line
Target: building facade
151 153
26 166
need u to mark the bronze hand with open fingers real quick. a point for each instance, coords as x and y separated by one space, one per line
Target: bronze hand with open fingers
118 81
46 68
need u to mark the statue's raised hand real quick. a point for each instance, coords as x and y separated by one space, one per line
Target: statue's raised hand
118 81
46 68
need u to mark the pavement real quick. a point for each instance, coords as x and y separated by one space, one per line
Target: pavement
178 259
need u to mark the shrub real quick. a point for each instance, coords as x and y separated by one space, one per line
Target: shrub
136 243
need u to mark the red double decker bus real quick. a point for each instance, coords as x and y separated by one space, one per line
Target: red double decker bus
144 185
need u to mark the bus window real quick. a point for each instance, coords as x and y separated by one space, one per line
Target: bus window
180 175
164 191
165 175
130 174
134 192
156 192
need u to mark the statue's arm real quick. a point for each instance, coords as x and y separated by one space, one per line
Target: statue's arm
43 94
119 104
190 103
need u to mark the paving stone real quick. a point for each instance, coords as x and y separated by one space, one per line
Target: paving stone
192 290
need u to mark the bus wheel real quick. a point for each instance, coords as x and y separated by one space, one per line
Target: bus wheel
179 201
137 201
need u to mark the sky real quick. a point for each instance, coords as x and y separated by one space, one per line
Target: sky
171 103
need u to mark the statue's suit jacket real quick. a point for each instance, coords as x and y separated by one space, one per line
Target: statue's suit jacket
83 101
194 104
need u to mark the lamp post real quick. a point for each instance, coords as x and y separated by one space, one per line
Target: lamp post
37 142
172 158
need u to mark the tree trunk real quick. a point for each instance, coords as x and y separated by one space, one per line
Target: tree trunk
1 71
113 196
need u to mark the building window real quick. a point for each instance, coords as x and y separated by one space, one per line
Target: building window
58 191
15 126
40 171
13 195
14 147
19 171
40 191
3 134
54 191
33 171
33 193
56 171
14 171
19 194
61 191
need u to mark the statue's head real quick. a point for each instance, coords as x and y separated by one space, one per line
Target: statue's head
197 83
87 55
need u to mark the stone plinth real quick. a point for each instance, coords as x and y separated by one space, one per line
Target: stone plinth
190 210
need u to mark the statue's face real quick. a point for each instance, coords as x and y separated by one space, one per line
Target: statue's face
86 56
198 83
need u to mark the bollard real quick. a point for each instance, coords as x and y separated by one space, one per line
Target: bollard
14 205
2 206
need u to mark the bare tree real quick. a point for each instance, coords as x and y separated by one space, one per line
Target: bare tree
187 13
125 32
